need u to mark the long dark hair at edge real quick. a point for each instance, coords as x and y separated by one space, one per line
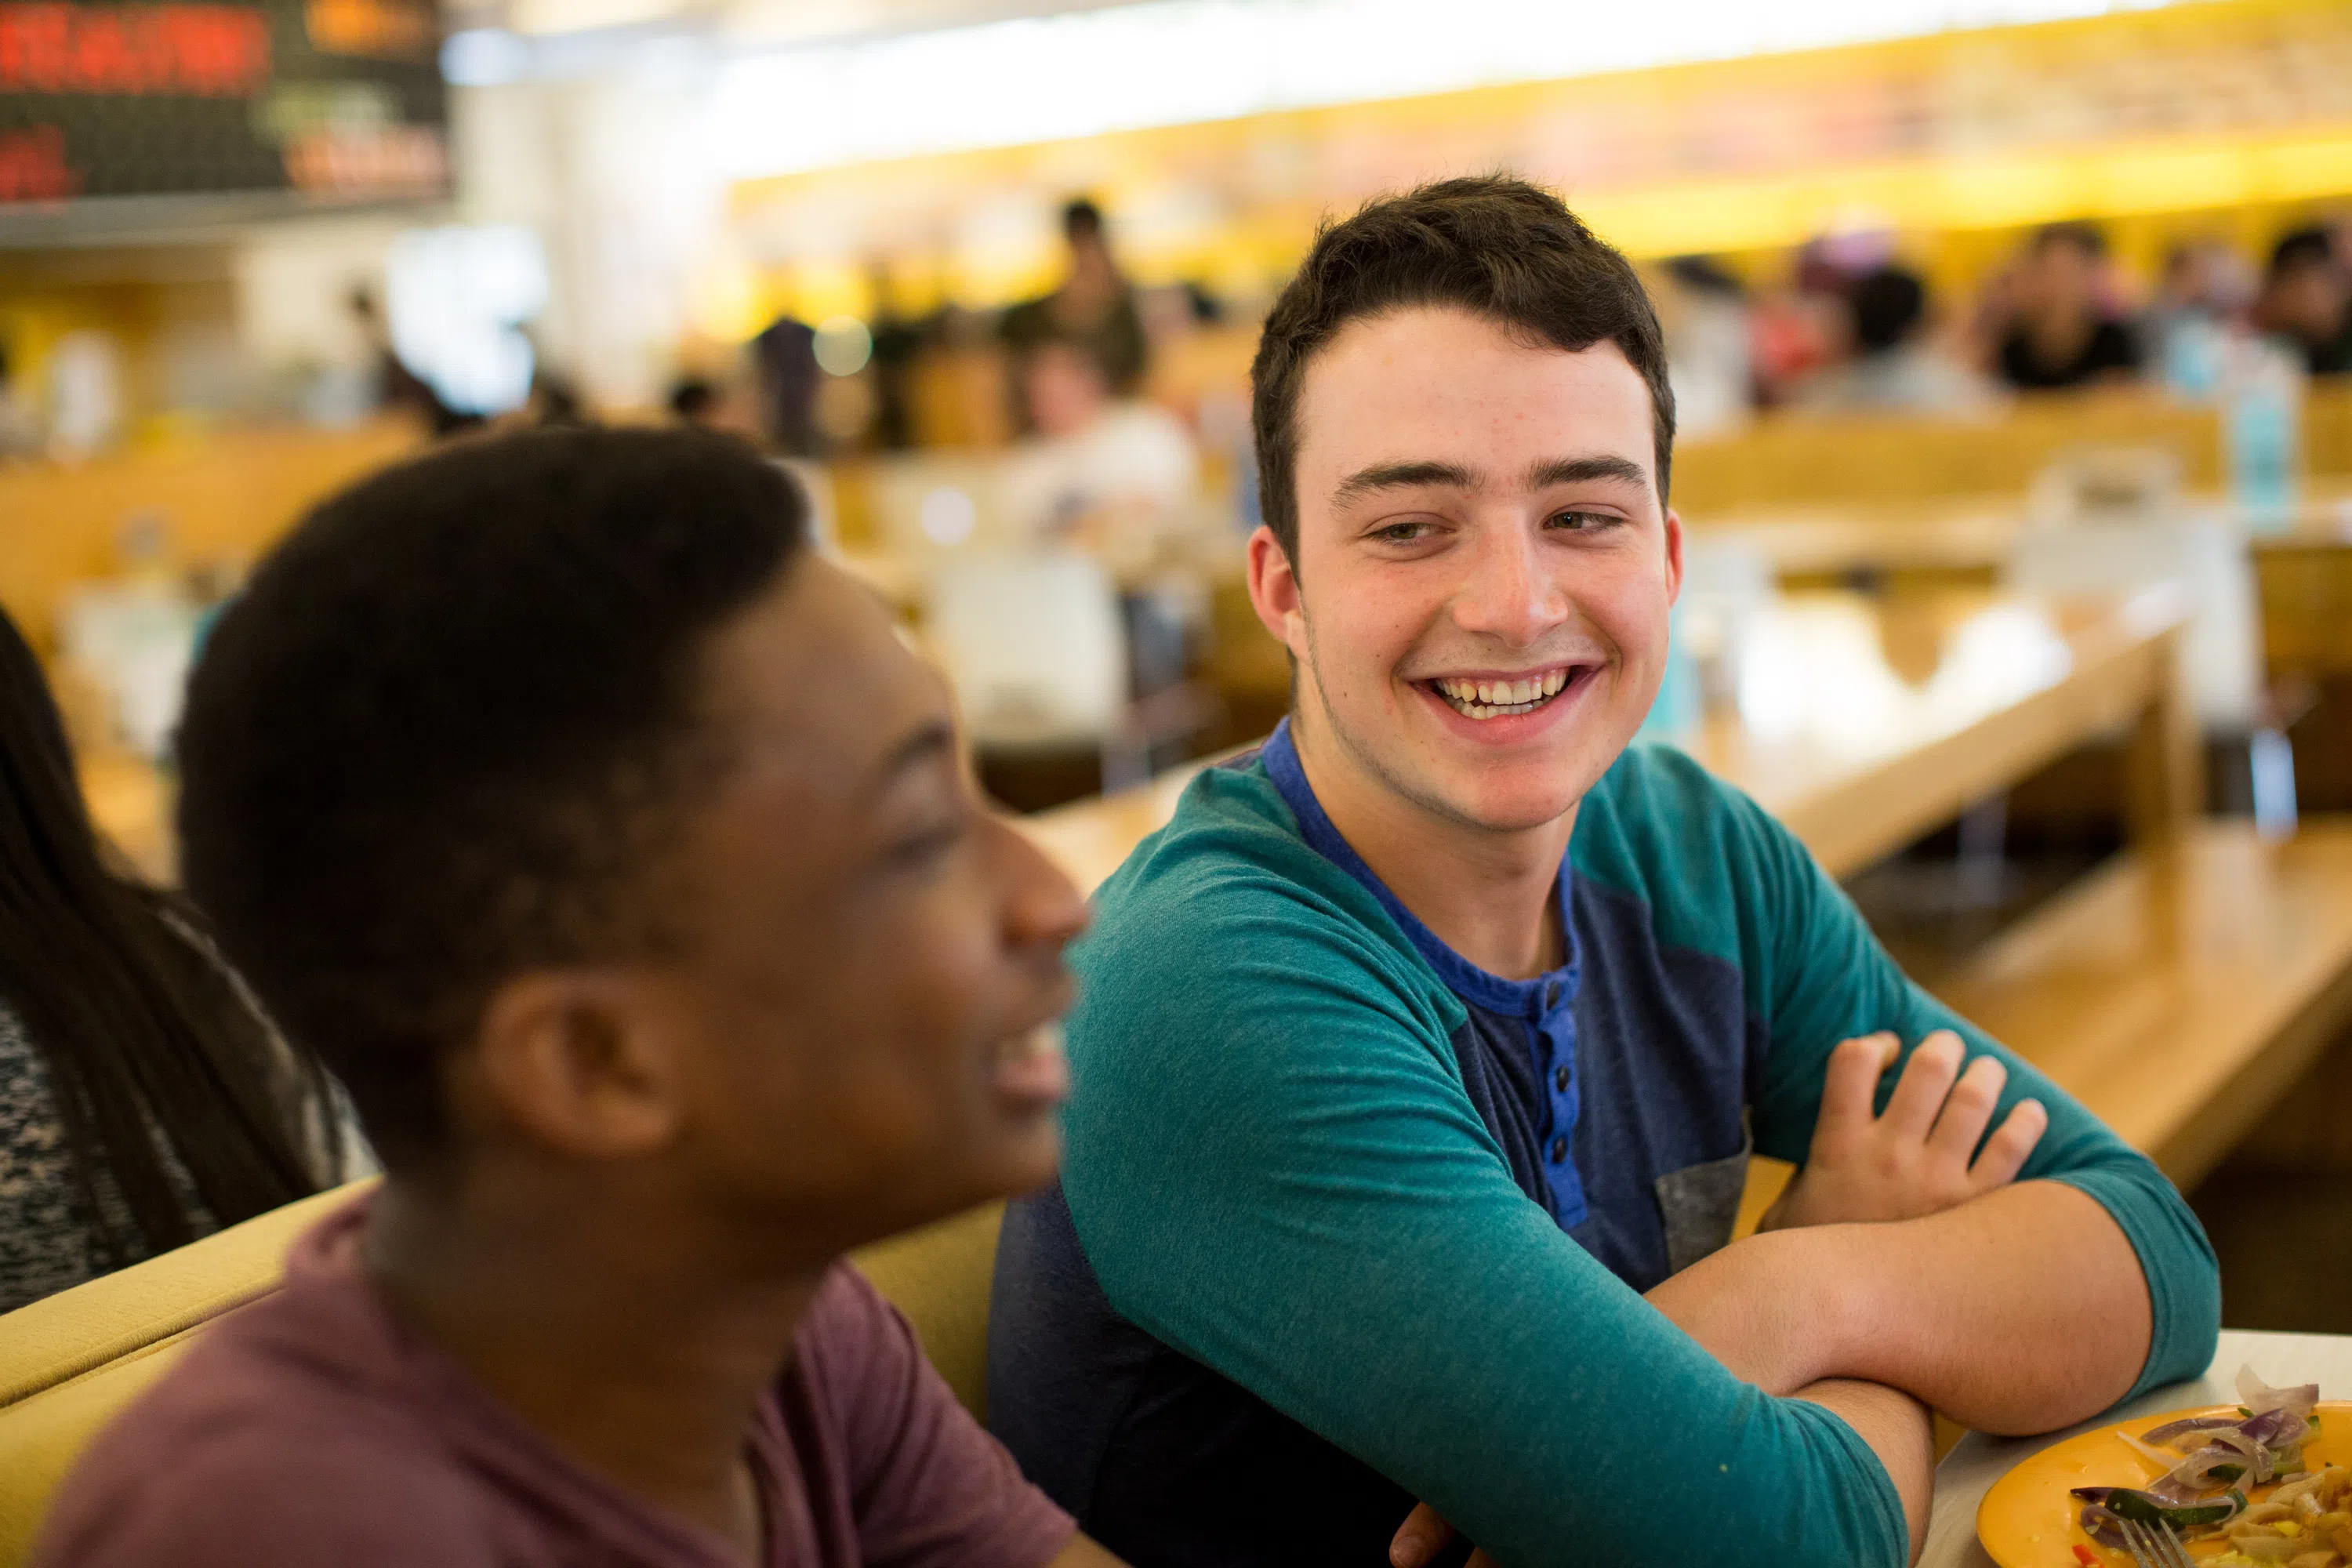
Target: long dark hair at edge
164 1074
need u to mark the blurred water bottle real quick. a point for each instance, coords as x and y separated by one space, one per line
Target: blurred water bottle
2262 423
1676 714
2196 349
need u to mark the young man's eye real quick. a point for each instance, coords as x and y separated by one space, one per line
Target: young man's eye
928 845
1400 532
1582 521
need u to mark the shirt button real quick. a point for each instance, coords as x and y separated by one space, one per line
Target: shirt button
1560 1077
1558 1149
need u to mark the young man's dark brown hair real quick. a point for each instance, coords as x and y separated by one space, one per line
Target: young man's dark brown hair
1493 245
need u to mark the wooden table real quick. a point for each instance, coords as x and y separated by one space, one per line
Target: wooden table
1972 1466
1961 536
1864 723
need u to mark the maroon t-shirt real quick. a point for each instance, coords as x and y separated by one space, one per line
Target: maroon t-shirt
312 1430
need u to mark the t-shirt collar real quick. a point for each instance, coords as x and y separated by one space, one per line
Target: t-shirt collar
1530 999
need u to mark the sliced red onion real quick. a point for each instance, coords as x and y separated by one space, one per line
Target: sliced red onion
2195 1474
2258 1459
2258 1396
2101 1524
2171 1430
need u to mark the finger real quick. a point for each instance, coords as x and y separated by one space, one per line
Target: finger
1968 1111
1420 1538
2005 1153
1850 1084
1926 1079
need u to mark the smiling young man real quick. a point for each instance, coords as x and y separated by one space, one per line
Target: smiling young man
618 858
1417 1059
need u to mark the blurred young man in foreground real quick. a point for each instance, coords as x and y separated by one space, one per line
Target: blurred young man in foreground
1417 1059
616 855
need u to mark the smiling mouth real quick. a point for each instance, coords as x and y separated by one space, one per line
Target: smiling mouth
1504 698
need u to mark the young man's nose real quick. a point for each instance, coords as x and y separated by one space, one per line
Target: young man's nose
1041 904
1507 592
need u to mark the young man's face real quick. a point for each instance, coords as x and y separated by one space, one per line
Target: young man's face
1474 513
872 963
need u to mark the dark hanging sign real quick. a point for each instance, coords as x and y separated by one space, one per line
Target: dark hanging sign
317 102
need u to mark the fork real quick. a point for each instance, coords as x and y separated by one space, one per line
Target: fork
2154 1546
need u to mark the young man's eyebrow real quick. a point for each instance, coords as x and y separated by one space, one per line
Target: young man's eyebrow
1576 471
934 739
1402 476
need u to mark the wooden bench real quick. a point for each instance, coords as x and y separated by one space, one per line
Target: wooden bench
2179 991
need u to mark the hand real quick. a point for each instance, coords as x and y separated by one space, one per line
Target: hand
1423 1536
1914 1159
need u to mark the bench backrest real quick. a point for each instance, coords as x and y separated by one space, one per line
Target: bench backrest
69 1363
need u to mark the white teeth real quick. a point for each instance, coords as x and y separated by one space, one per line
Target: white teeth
1491 699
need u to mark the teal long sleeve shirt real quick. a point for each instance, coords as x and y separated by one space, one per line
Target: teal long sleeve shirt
1287 1180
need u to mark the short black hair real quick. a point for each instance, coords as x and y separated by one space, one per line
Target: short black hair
1495 247
1081 219
690 397
2303 248
1887 304
2086 237
450 726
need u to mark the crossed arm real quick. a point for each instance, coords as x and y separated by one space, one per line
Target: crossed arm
1906 1269
1902 1256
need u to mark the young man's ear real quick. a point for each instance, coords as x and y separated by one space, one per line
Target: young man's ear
1673 556
577 1062
1274 591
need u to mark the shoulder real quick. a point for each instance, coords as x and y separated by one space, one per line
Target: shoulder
852 1339
1227 910
230 1461
1659 820
1716 872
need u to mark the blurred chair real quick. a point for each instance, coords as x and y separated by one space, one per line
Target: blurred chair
937 505
1034 647
2107 526
941 1276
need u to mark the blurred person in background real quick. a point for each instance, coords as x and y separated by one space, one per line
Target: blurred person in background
20 434
898 346
1120 480
692 400
700 403
2060 333
1802 327
1709 358
398 389
1115 476
1092 309
143 1099
1893 368
785 355
2201 302
2307 301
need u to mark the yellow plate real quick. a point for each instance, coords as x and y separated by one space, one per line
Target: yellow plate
2028 1521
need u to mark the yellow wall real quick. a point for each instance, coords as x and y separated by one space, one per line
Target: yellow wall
225 498
2248 172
